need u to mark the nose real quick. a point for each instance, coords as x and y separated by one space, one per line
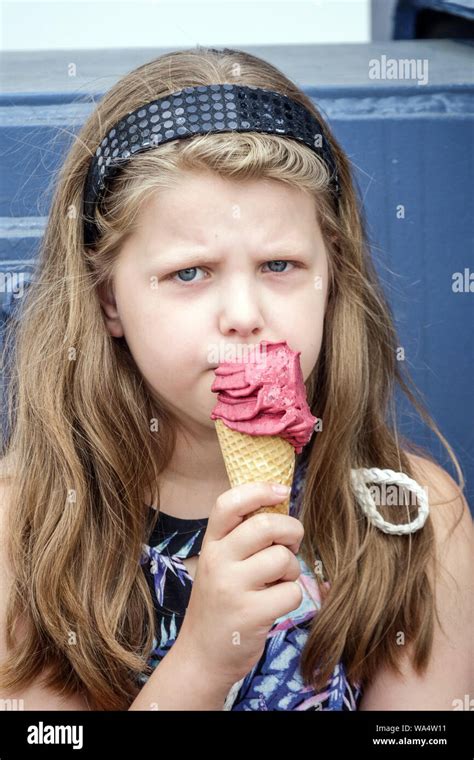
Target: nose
240 312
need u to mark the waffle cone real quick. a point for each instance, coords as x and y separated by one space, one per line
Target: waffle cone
250 458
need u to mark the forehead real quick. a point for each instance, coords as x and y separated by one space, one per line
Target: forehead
207 209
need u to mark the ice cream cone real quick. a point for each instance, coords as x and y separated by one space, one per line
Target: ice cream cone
250 458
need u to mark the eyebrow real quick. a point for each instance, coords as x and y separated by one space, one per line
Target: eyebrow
188 256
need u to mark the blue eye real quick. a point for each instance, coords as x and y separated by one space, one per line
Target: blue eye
278 262
192 270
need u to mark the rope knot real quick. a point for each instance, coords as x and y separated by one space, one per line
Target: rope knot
360 478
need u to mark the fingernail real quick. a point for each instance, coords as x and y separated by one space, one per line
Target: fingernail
281 489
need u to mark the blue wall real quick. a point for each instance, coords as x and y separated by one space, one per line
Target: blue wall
409 144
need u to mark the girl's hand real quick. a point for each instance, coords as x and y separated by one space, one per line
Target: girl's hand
244 581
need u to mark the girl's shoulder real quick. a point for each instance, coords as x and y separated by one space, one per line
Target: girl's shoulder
8 464
441 486
34 696
447 673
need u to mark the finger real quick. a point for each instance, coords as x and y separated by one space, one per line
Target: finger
279 599
263 530
275 563
233 504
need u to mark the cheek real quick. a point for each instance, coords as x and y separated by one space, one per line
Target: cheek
166 349
308 360
305 329
149 317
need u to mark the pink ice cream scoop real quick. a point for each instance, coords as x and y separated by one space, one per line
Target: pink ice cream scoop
265 395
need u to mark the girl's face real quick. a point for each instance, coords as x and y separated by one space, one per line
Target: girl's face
217 264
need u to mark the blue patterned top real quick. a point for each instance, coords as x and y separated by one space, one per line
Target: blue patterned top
275 682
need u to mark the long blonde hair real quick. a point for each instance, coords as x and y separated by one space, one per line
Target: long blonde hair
85 446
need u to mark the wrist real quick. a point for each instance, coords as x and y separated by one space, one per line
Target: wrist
199 670
182 681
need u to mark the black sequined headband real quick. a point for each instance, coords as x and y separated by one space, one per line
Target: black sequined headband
194 111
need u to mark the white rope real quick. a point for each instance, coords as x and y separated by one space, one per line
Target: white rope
361 477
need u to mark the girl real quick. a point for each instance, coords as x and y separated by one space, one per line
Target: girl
131 579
